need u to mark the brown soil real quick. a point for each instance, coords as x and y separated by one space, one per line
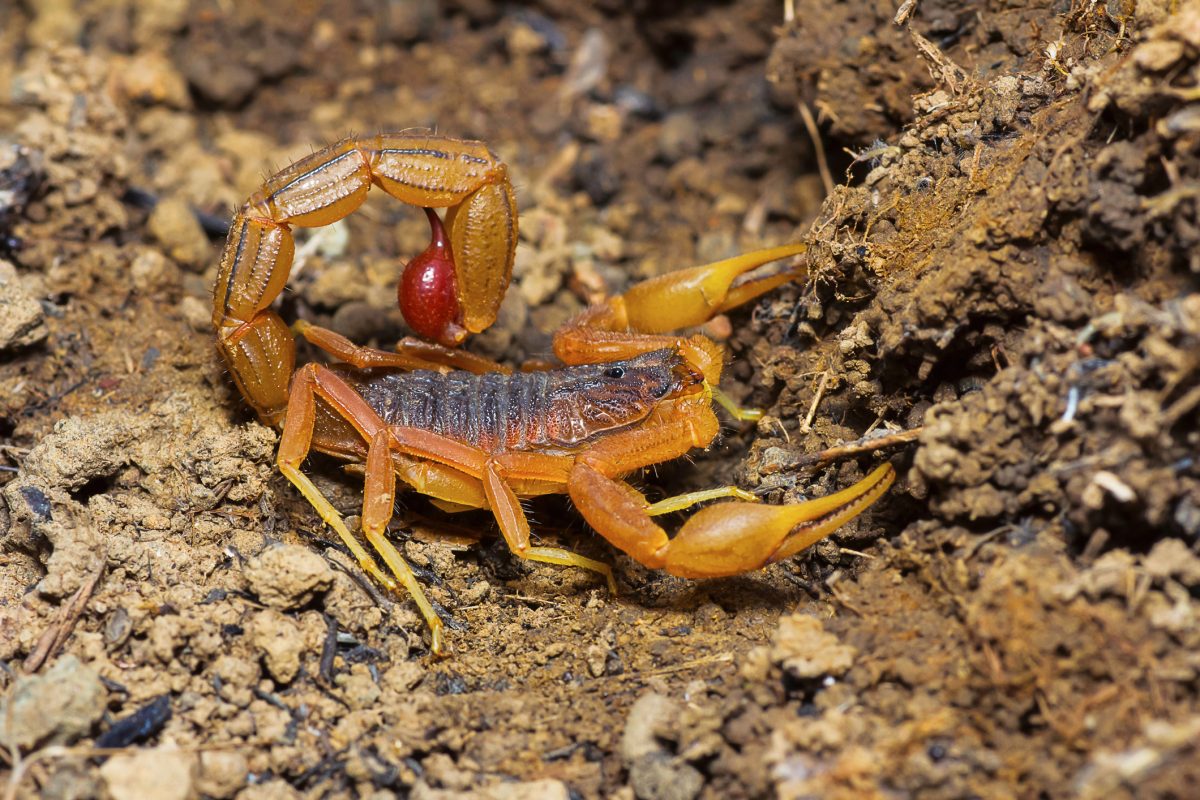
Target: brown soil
1011 258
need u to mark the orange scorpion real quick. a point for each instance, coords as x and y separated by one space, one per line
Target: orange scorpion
466 431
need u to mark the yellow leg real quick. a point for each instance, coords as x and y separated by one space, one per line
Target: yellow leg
399 567
557 555
681 501
391 556
452 483
737 412
333 519
379 496
514 525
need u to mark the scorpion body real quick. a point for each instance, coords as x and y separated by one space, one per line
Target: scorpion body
526 411
633 393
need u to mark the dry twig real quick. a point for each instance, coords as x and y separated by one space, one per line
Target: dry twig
838 452
814 133
806 426
941 68
56 635
904 12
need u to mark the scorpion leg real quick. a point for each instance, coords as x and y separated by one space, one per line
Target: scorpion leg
453 463
738 412
314 381
497 473
613 507
514 525
719 540
410 353
681 502
448 356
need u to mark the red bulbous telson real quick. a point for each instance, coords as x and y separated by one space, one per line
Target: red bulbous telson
428 290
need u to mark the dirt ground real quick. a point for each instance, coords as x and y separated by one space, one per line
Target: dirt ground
1001 202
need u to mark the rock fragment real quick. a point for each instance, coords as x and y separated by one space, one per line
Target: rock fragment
22 322
56 707
175 226
222 773
281 642
159 773
803 648
288 576
654 773
545 789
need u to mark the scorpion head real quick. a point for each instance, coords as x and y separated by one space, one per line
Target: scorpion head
595 398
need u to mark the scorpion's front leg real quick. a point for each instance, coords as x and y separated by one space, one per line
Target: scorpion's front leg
722 539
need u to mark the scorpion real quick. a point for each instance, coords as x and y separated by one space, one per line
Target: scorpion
468 432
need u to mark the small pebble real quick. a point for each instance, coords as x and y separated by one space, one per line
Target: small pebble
150 78
159 773
175 227
152 270
678 137
197 313
22 322
56 707
222 773
523 40
287 576
658 777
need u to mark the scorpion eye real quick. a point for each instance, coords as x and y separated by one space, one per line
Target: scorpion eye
614 372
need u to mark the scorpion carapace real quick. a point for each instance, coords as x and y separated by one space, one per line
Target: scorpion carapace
633 394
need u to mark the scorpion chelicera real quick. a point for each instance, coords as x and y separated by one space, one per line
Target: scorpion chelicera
466 431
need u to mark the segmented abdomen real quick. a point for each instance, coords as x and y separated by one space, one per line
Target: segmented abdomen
492 411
